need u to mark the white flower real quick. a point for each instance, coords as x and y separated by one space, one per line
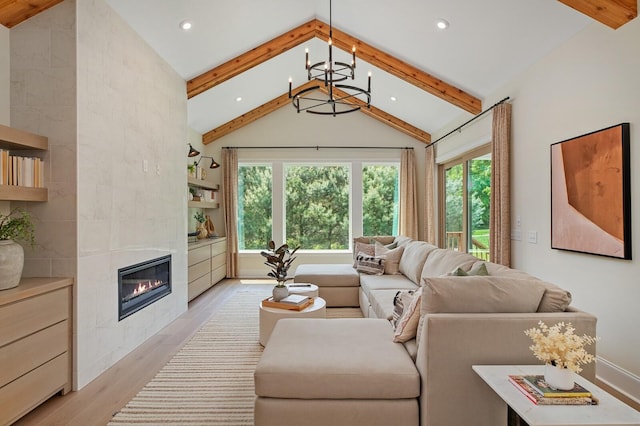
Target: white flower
560 348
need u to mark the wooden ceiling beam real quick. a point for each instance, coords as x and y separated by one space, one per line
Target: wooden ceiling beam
284 99
401 69
250 59
342 40
613 13
13 12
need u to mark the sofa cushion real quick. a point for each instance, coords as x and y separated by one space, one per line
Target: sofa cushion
413 258
401 300
555 299
369 283
328 275
407 325
371 265
343 358
443 261
402 240
391 257
381 302
478 294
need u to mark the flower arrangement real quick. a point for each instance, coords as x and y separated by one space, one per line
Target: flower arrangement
559 346
279 260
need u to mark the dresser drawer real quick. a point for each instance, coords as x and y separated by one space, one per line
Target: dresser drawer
218 248
17 398
199 254
24 355
198 286
198 270
32 314
218 261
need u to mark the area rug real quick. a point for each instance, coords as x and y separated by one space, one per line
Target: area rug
210 380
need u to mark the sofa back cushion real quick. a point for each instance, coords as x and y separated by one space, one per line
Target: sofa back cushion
480 294
444 261
412 260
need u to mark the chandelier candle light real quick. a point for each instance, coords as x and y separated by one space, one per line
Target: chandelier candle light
341 98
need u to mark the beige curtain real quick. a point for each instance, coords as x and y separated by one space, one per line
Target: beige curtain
430 225
500 238
230 205
408 200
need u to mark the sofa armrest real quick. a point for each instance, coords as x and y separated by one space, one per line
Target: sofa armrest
451 393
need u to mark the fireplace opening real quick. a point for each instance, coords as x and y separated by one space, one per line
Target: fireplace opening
142 284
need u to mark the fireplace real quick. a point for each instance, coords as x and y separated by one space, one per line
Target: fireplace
142 284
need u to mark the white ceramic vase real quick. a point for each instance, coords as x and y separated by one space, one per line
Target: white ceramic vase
11 264
280 293
559 378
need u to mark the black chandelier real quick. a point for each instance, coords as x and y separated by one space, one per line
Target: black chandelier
340 98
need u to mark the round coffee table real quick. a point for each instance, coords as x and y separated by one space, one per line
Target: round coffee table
304 289
269 316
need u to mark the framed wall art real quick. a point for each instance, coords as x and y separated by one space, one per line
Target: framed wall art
590 193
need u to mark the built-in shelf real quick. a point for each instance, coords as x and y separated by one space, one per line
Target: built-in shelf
15 139
198 183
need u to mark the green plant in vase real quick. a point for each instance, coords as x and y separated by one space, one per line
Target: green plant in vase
15 226
279 260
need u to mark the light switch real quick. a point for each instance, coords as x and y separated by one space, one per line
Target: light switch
533 237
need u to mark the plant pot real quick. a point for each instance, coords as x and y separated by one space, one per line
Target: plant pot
11 264
280 292
559 378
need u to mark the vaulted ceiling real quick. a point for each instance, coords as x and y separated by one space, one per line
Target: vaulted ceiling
249 48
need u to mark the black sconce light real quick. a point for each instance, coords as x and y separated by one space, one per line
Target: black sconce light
213 165
193 152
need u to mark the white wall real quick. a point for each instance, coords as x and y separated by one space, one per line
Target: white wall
131 112
589 83
285 127
5 55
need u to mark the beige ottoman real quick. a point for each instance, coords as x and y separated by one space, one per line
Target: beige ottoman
338 372
338 283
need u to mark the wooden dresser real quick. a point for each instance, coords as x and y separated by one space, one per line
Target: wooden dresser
35 344
207 264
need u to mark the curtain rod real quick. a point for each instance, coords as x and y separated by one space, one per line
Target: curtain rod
472 119
316 147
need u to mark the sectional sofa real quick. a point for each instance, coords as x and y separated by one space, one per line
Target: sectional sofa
413 369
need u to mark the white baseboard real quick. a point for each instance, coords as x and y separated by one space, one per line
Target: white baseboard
628 384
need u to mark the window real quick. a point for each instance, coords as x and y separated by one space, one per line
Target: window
254 206
318 206
465 200
380 186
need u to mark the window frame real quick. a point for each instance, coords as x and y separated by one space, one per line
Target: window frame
442 168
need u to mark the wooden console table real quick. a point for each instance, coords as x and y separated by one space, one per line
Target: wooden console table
521 411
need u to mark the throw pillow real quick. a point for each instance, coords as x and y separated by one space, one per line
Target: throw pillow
401 299
392 258
407 325
477 269
369 264
365 248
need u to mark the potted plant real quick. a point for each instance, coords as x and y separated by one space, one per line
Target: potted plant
202 229
562 351
15 226
279 260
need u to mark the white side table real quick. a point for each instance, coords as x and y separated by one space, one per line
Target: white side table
609 411
304 289
269 316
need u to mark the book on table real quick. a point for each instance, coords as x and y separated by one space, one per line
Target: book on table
295 302
539 385
537 398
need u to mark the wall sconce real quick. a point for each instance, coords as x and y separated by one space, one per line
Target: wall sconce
213 165
192 151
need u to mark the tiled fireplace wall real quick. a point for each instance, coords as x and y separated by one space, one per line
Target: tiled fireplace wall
109 104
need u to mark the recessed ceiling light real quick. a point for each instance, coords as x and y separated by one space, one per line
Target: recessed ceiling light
185 25
393 98
442 24
239 98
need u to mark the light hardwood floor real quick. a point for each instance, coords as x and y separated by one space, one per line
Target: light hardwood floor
95 404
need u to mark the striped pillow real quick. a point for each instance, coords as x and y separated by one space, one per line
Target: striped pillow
369 264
